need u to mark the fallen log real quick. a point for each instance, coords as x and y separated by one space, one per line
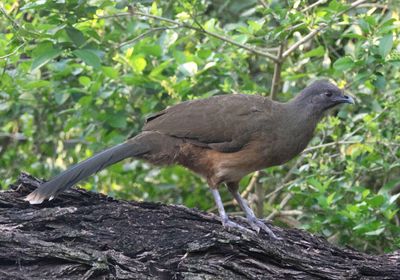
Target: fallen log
85 235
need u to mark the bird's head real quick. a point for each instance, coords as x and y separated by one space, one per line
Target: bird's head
322 95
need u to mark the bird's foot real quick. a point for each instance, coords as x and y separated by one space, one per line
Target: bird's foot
258 224
227 223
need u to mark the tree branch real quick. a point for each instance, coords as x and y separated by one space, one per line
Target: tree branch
84 235
282 204
277 73
313 33
15 24
306 38
263 3
197 29
148 32
13 52
319 2
252 183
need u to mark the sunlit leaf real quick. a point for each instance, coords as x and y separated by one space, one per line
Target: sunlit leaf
318 52
188 68
138 63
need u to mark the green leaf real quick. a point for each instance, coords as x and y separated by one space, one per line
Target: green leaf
255 26
380 82
154 10
34 4
157 71
84 80
375 232
138 63
117 120
45 56
330 198
317 184
336 6
88 56
241 39
343 63
376 201
75 35
60 98
322 201
385 45
318 52
36 84
188 68
110 72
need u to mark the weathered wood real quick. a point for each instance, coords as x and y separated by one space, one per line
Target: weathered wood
84 235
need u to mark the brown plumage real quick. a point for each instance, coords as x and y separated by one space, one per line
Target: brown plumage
221 138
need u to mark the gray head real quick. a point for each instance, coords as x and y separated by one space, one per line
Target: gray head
322 95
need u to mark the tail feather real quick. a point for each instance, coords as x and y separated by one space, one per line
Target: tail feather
84 169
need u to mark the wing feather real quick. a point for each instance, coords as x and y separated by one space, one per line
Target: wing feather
224 123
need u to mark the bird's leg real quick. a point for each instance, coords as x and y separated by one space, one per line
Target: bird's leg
226 222
253 221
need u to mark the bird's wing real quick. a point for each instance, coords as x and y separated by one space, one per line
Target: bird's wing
225 123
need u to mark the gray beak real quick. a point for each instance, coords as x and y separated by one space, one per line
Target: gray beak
344 99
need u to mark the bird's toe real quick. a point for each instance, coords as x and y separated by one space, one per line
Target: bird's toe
227 223
258 223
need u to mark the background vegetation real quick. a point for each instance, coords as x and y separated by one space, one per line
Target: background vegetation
80 76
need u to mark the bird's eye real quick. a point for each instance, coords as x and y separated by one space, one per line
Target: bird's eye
328 94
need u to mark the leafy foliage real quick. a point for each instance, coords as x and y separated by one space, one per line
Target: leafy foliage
79 76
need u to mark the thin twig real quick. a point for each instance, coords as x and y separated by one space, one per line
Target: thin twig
13 52
291 212
16 25
283 203
146 34
272 195
245 193
352 6
328 145
259 203
13 22
313 33
282 186
296 26
284 182
306 38
373 5
263 3
277 73
319 2
251 184
201 30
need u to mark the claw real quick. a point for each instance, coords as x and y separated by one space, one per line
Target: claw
227 223
255 223
258 224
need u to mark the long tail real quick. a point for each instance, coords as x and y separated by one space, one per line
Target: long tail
84 169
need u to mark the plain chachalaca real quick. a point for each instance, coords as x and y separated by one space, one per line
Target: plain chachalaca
221 138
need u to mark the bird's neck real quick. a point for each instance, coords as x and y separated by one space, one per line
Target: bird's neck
301 120
304 110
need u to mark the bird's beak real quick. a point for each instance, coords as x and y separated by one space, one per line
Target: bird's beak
344 99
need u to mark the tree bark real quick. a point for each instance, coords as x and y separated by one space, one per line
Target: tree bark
84 235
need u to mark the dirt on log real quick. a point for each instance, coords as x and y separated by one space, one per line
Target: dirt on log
84 235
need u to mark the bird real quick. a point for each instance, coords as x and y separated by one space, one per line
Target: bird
221 138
